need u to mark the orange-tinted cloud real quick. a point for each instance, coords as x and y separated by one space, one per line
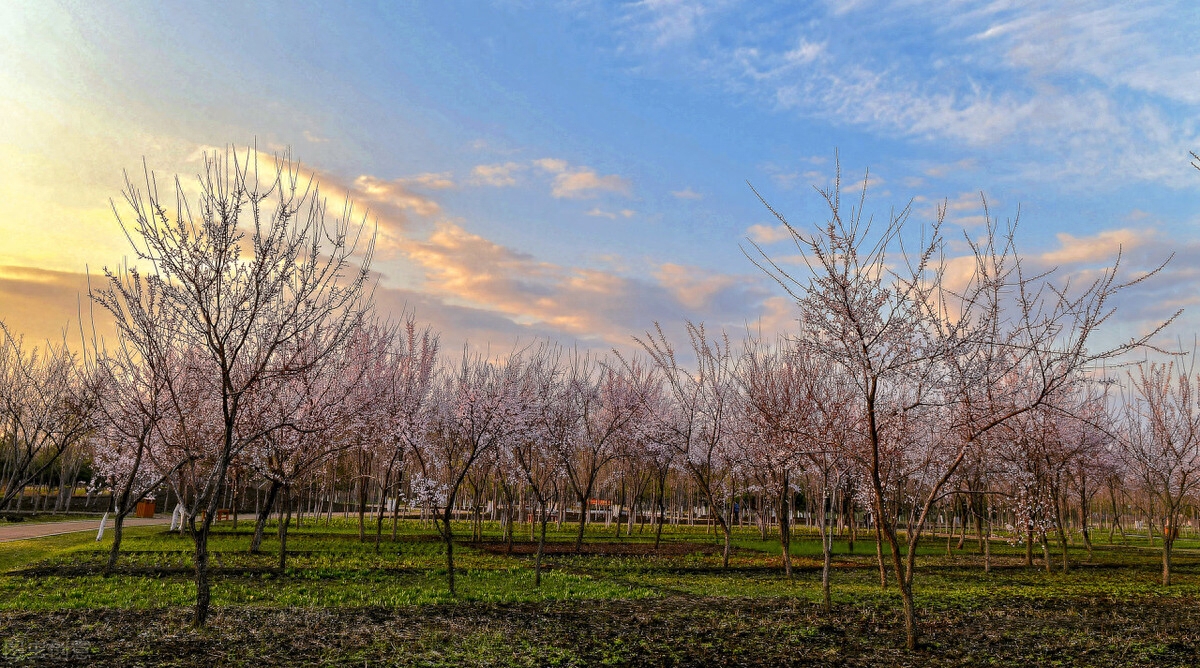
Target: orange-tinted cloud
687 193
694 287
396 193
767 234
464 269
1100 247
580 182
499 175
42 304
597 212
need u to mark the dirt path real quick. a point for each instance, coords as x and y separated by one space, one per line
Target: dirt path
23 531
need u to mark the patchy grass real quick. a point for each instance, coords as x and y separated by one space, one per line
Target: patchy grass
618 602
26 517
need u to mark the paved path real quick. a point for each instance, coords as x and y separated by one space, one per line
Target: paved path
24 530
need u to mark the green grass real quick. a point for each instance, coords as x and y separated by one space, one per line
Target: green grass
25 518
680 591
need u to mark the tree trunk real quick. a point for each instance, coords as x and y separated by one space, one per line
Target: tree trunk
785 536
584 512
1112 497
903 577
118 525
1059 519
826 553
203 586
541 548
1062 541
200 537
1169 533
728 531
1083 523
987 548
1166 563
826 567
658 523
363 492
762 517
977 510
620 497
962 526
879 557
263 513
396 506
910 614
632 515
448 536
285 518
387 479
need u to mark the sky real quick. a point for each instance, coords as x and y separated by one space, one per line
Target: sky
581 169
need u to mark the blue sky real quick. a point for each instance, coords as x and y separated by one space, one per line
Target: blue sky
579 169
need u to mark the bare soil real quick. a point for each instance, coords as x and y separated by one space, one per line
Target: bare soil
665 549
672 631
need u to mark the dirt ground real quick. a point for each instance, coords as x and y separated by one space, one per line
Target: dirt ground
673 631
665 549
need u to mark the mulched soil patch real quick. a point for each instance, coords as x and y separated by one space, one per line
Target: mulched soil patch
673 631
369 537
666 549
188 571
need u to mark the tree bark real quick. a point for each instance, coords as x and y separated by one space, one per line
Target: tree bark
263 513
1029 546
203 586
118 526
541 548
826 551
785 536
448 536
883 582
1169 534
383 488
285 518
584 513
662 511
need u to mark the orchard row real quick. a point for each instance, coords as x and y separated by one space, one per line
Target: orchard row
913 387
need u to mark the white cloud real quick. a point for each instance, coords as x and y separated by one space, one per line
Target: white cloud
580 182
601 213
768 234
1087 92
661 23
938 171
397 193
431 180
695 288
687 193
498 175
967 210
1101 247
552 165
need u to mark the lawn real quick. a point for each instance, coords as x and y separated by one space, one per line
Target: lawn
342 602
